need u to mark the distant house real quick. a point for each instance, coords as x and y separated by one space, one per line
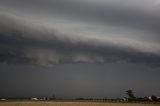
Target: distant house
149 98
158 97
125 99
3 99
153 98
34 98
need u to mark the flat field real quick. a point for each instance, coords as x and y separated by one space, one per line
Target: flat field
30 103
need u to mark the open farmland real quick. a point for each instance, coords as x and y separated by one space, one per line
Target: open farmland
72 104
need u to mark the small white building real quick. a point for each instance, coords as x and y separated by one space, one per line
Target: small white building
158 97
149 98
3 99
34 98
125 99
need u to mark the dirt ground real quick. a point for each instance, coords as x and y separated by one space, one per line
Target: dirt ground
71 104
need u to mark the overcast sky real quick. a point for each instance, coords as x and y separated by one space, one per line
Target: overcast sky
79 48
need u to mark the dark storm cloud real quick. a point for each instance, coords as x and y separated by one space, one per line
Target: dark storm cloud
122 13
22 42
110 14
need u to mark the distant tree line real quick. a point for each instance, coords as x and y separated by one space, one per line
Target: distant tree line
132 97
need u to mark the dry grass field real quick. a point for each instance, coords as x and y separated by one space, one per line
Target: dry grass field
72 104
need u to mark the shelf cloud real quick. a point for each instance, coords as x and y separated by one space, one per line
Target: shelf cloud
26 43
68 31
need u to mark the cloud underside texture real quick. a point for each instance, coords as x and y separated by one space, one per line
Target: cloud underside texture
22 43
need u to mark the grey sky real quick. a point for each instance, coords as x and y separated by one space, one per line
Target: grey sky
77 33
78 80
